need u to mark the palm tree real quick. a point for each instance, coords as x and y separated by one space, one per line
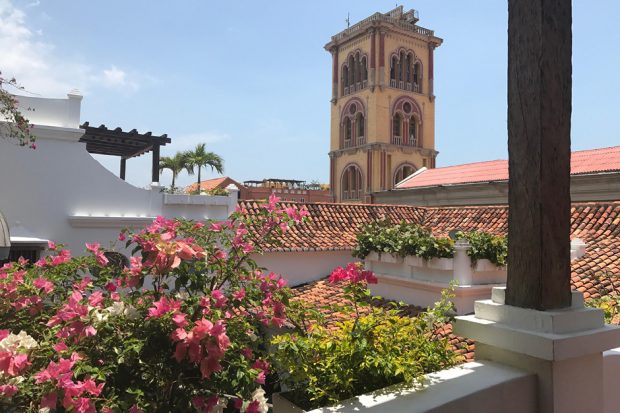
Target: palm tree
199 157
175 163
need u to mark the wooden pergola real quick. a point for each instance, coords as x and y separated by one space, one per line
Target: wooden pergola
126 145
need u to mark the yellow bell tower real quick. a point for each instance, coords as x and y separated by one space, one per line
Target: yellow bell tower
383 106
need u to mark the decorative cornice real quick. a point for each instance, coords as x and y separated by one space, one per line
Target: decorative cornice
377 146
88 221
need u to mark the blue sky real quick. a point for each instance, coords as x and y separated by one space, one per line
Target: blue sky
251 79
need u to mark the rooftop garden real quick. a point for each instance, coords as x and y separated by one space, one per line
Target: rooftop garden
405 239
191 323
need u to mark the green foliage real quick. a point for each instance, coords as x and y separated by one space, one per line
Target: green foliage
486 246
401 239
608 304
364 353
199 158
405 239
16 127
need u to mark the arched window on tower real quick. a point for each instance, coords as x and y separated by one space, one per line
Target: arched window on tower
359 124
393 71
413 131
348 133
351 73
351 183
364 72
345 80
397 129
417 77
402 172
409 69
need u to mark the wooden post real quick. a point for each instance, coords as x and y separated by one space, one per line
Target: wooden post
155 172
123 168
539 119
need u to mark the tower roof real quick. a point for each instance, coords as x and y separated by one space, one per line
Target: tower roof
397 18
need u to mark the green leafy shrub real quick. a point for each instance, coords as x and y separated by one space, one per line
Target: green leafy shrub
373 348
486 246
405 239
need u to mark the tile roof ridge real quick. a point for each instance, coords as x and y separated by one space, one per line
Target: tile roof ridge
468 164
597 149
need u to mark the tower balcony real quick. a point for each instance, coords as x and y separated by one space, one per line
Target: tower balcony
350 143
355 87
409 86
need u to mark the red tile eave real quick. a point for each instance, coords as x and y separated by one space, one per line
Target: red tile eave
593 161
595 274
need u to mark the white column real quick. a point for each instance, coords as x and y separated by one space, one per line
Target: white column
564 348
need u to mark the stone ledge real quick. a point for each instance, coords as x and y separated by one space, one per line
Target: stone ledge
546 346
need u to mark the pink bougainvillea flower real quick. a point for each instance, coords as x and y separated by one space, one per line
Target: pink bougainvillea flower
49 400
44 284
8 390
163 306
51 245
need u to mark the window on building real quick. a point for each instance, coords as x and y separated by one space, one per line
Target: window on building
417 77
348 131
397 129
359 124
352 183
31 253
413 131
402 172
393 68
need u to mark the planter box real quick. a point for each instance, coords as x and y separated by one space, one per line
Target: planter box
480 386
414 261
443 264
283 405
391 259
486 265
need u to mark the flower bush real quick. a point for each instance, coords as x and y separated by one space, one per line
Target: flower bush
412 239
373 348
16 128
177 329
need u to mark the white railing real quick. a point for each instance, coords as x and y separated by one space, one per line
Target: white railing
399 84
348 143
381 17
411 142
361 140
397 140
348 90
351 195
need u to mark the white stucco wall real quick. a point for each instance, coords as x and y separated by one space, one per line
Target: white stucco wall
302 267
60 192
475 387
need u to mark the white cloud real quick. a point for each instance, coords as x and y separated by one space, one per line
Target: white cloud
40 67
189 141
117 78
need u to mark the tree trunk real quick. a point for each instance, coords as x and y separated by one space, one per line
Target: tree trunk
539 120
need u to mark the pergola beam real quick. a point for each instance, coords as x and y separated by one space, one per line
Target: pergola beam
539 122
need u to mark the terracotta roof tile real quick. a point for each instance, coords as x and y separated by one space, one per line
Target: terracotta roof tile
582 162
333 227
322 293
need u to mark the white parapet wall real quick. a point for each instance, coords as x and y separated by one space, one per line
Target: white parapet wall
300 267
60 192
417 281
483 387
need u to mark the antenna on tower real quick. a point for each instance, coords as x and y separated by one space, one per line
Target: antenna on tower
348 20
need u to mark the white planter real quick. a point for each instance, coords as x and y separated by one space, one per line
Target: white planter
282 405
391 259
444 264
372 256
486 265
413 261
